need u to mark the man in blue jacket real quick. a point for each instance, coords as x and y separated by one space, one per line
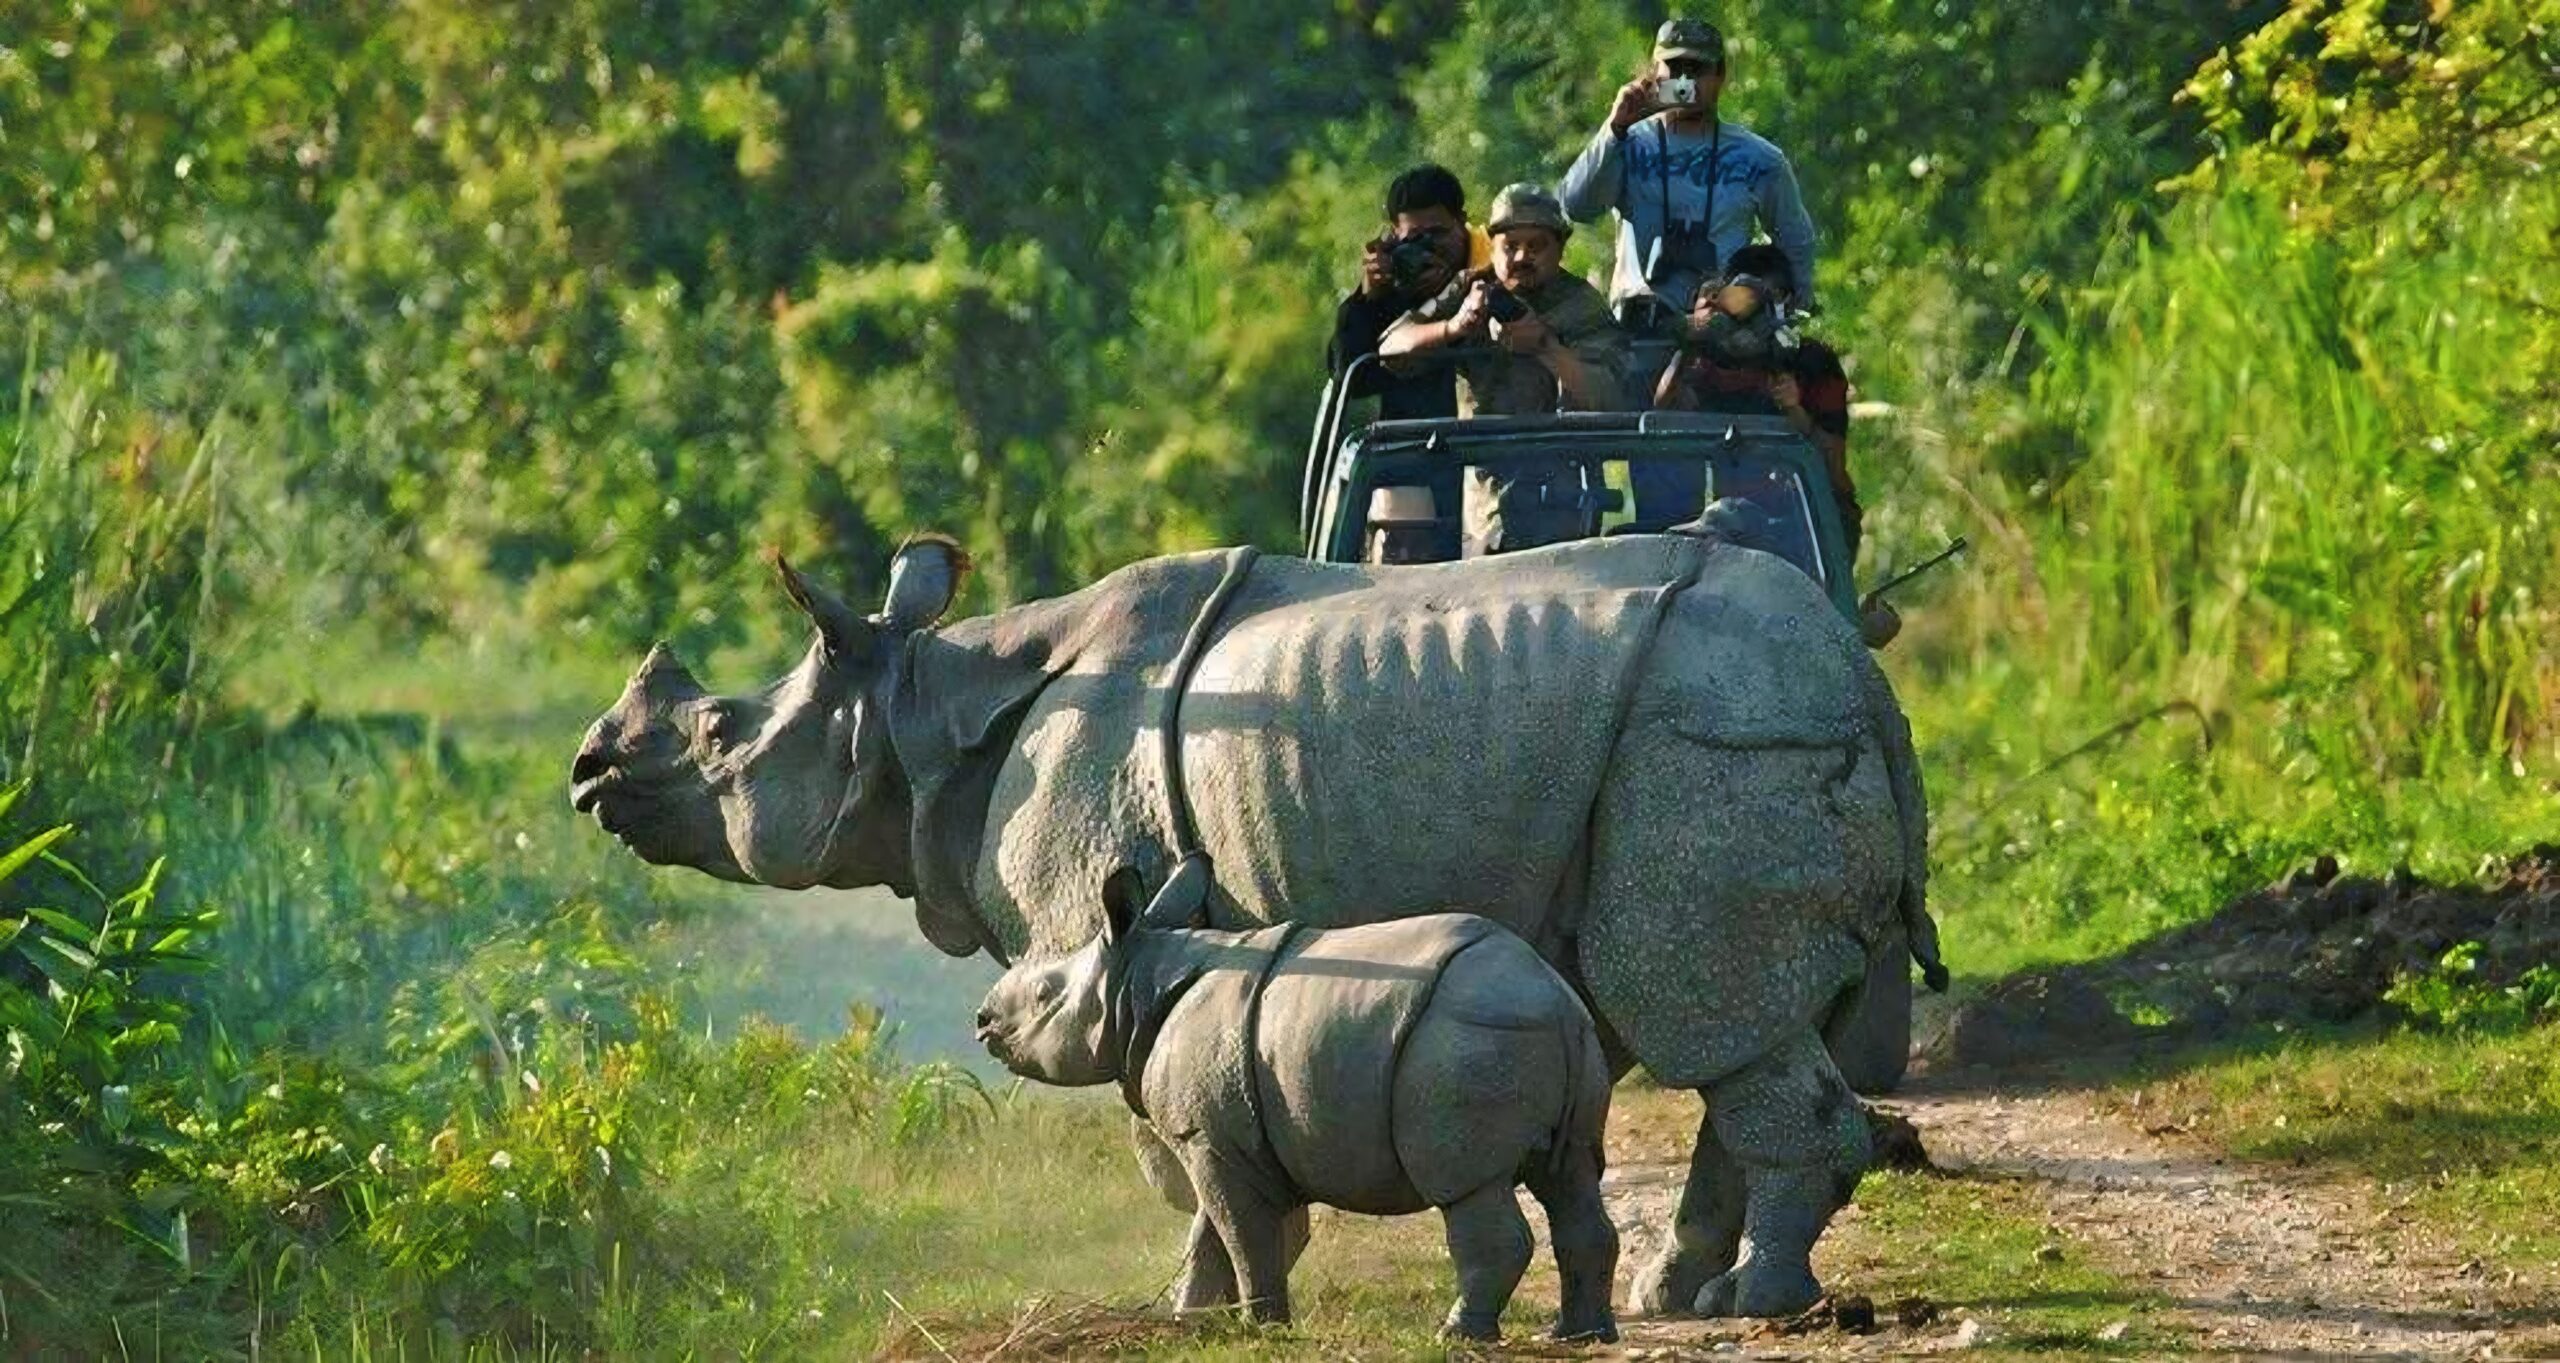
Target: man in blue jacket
1688 186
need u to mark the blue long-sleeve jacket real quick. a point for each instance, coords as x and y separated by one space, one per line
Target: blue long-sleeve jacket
1753 185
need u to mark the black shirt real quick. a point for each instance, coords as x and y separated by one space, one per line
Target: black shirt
1431 391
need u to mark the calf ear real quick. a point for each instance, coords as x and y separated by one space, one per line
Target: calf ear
1123 899
924 576
847 635
1184 900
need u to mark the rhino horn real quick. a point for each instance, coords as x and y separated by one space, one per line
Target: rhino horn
844 632
661 680
924 576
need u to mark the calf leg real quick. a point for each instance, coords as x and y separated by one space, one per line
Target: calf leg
1489 1245
1208 1277
1584 1241
1802 1142
1706 1231
1254 1233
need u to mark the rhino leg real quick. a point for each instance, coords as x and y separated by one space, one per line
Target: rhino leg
1490 1247
1207 1278
1706 1231
1869 1030
1253 1232
1801 1140
1584 1241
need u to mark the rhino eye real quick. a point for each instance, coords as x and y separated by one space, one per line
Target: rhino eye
719 727
1050 988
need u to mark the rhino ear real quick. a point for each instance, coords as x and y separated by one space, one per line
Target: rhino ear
846 634
1123 899
924 575
1183 902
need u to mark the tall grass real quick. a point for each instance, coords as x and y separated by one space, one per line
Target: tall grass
2266 568
380 1047
113 522
2303 478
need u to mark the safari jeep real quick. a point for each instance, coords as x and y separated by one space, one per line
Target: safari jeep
1389 492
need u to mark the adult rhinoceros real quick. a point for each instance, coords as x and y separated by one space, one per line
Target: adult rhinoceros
1665 761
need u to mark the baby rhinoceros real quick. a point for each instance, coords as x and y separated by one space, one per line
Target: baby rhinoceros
1425 1062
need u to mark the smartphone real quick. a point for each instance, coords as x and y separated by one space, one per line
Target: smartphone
1675 92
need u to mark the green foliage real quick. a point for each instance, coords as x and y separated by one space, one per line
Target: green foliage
84 1018
2454 997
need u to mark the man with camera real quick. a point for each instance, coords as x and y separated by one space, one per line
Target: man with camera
1426 244
1740 351
1527 338
1687 185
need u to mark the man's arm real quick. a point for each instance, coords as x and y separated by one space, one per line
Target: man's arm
1601 386
1424 329
1584 383
1671 392
1788 394
1790 226
1587 357
1591 186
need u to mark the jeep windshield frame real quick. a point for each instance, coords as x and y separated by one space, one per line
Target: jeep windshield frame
1732 444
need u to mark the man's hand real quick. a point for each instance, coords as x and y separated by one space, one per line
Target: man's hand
1374 280
1790 400
1527 334
1702 306
1635 100
1784 392
1475 311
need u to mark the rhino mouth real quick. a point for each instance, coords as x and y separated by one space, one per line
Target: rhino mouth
589 796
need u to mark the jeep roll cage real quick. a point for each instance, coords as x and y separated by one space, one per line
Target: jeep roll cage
1749 447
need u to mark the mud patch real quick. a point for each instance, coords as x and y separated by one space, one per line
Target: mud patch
2314 947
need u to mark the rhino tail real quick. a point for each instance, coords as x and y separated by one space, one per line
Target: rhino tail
1911 810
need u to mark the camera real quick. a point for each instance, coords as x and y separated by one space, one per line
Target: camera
1749 329
1683 248
1411 261
1675 92
1501 304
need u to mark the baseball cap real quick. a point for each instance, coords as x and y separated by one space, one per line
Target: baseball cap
1527 205
1695 39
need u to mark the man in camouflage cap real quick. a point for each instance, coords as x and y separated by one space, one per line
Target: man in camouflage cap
1534 339
1689 187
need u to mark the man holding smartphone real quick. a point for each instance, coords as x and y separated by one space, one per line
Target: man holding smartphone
1689 187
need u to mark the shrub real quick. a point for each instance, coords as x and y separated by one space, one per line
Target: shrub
2454 997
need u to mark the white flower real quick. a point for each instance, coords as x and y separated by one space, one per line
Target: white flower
502 1161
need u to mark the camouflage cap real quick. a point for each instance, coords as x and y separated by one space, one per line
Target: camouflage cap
1694 39
1527 205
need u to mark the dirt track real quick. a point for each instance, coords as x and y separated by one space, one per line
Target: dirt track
2250 1262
